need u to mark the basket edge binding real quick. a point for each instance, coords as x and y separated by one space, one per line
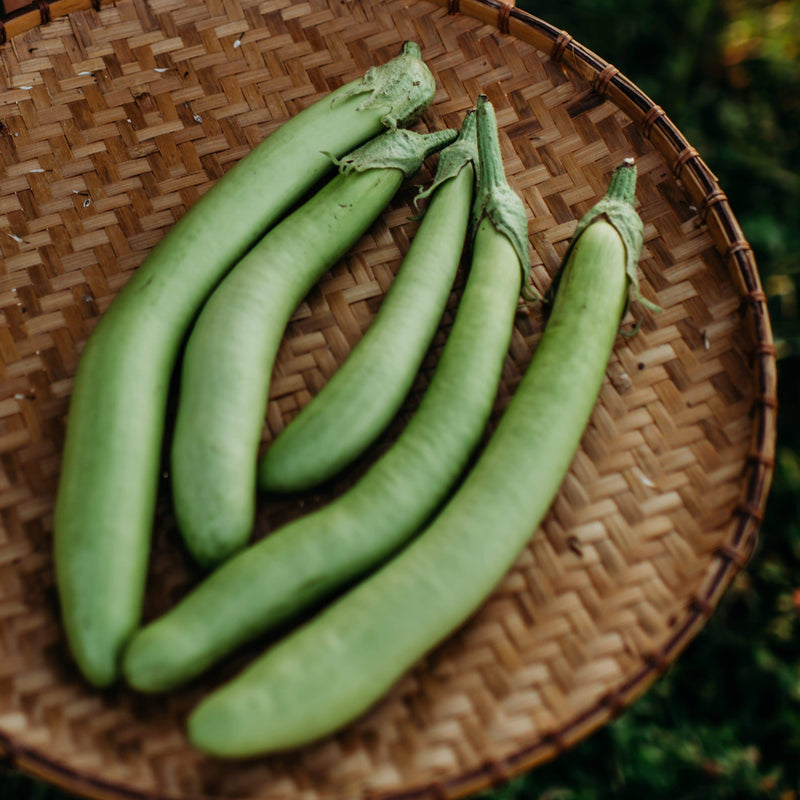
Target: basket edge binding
700 183
701 186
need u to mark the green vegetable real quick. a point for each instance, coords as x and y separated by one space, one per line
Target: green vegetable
336 666
308 559
111 463
363 396
229 355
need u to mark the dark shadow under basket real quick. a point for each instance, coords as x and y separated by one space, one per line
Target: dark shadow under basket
115 119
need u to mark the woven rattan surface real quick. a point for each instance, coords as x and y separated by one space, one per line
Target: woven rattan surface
115 119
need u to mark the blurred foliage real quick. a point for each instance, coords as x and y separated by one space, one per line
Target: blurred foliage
724 723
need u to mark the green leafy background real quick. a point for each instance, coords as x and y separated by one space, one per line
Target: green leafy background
724 722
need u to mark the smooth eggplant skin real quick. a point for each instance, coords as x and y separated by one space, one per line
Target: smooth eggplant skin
112 453
227 365
364 394
230 352
340 663
305 561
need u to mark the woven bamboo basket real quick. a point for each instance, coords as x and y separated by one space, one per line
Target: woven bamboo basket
115 118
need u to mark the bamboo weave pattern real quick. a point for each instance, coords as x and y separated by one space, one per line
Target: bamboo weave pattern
114 120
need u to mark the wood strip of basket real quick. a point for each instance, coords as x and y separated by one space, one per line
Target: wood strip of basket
115 119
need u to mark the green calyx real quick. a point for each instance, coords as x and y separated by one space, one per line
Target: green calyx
494 198
395 149
455 157
617 208
404 86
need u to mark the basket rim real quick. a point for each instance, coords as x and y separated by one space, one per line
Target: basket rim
699 182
